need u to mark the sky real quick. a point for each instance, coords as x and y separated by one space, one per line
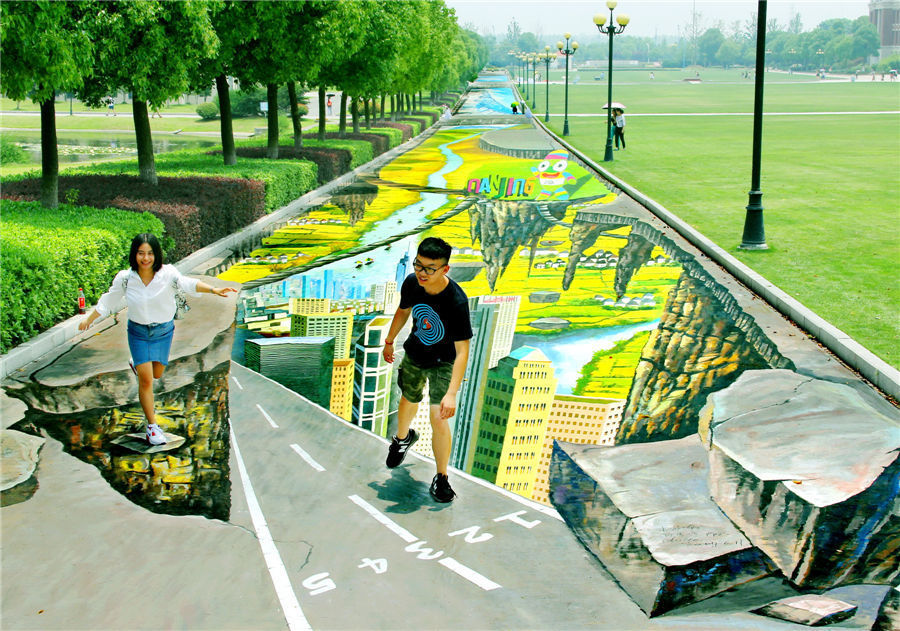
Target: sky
550 18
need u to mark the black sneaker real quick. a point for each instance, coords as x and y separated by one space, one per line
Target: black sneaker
440 489
397 450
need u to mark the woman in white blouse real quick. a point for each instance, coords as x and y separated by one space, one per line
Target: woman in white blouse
149 291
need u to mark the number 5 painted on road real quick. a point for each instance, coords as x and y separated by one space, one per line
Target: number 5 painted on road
319 583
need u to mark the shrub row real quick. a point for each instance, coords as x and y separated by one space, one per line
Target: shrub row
48 254
284 181
195 211
331 163
403 130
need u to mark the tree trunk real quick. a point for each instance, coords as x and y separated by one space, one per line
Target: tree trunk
354 113
295 114
393 107
409 103
228 154
272 117
49 155
146 162
342 127
321 113
368 113
383 100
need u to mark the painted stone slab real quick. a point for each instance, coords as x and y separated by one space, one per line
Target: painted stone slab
138 443
644 511
19 456
783 470
813 610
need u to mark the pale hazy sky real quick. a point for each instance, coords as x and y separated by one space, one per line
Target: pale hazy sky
550 18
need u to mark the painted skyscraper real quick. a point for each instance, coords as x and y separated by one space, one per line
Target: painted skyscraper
342 388
576 419
493 326
303 364
336 324
372 378
518 397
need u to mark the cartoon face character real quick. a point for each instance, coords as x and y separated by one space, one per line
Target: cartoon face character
551 171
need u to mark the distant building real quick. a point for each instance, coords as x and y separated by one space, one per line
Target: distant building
338 325
372 378
342 388
576 419
386 294
518 398
885 16
310 305
302 364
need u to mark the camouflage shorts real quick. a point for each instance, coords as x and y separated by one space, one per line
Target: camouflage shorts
412 380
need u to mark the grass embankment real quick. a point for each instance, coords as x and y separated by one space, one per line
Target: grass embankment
829 184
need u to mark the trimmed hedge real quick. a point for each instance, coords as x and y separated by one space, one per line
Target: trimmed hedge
429 113
401 131
195 211
330 162
284 181
360 150
48 254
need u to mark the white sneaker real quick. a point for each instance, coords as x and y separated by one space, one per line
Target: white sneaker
155 435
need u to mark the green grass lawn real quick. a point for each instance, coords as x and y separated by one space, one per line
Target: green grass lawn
829 186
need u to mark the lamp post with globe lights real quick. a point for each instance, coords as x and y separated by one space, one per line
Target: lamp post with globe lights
546 56
611 30
568 52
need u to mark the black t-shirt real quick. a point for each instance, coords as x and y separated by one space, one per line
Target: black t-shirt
438 321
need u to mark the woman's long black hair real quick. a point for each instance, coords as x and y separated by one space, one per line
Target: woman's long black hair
137 242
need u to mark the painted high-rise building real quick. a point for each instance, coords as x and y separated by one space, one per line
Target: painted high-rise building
404 265
342 388
338 325
505 329
372 378
310 305
422 424
576 419
483 319
303 364
518 397
386 294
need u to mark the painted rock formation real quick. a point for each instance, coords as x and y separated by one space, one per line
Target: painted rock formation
645 512
810 473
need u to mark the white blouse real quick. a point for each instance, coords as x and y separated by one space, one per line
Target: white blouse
147 304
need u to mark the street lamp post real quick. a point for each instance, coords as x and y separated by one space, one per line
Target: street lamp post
524 59
534 60
568 52
754 237
611 30
546 84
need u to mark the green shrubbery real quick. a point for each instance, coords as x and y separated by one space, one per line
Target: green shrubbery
11 153
360 150
208 111
48 254
285 180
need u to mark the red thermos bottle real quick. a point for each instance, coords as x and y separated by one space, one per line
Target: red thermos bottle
81 305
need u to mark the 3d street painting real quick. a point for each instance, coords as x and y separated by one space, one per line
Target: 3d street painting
691 438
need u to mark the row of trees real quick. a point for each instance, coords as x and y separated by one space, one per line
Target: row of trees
842 44
157 50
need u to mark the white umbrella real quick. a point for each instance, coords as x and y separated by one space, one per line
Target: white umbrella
615 106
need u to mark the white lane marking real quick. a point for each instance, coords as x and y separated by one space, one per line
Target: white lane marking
309 459
469 574
450 563
266 414
283 588
236 382
541 508
394 527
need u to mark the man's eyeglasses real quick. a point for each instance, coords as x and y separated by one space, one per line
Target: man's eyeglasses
421 268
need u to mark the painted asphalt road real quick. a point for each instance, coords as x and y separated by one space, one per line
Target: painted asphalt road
350 544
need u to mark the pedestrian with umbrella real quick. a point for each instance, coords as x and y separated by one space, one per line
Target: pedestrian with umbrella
618 116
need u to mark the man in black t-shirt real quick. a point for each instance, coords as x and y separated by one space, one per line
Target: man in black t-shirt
436 352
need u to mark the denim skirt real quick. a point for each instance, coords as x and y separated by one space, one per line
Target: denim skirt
150 342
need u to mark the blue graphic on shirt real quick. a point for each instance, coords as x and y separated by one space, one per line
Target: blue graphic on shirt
429 328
